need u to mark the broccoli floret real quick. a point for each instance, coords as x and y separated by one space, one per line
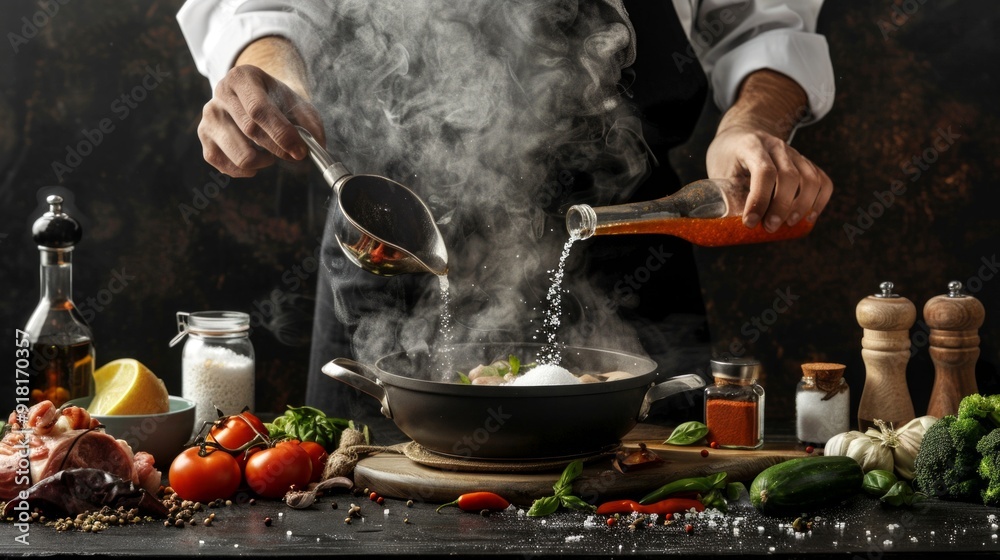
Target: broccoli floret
985 409
966 433
989 467
947 461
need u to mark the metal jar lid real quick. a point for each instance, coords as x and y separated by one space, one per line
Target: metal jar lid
736 368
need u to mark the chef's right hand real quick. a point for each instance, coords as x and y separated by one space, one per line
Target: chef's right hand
250 120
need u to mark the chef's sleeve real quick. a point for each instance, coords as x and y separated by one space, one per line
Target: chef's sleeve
217 31
732 39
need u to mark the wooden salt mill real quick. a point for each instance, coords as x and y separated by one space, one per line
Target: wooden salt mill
886 318
954 320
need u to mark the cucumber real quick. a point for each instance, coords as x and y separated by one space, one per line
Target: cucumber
801 485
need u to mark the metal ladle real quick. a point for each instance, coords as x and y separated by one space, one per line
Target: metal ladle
385 228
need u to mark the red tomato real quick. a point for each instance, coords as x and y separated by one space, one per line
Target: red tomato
272 472
203 479
318 456
237 430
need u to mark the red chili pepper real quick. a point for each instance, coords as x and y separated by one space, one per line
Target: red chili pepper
478 501
663 507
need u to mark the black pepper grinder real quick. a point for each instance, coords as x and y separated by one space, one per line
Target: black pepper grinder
954 320
886 318
61 346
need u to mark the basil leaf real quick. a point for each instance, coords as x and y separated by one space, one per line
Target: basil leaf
688 433
899 495
734 490
464 379
572 502
544 506
878 482
515 364
717 481
564 485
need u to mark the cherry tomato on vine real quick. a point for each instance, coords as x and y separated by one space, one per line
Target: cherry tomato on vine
204 478
318 456
273 471
237 430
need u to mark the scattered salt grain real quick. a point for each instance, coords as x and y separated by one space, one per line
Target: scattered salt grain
574 538
993 526
760 529
546 374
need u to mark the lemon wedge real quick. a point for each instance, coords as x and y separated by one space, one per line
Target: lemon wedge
127 387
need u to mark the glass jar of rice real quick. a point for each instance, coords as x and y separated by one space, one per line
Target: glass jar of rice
217 363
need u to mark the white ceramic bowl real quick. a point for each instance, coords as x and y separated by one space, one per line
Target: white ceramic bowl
161 435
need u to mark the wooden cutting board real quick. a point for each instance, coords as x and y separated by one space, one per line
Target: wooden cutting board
396 476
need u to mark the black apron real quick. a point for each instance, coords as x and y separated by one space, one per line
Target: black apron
670 98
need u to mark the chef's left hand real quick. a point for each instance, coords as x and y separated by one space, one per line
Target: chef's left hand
785 187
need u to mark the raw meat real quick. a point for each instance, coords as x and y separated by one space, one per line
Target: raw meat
63 439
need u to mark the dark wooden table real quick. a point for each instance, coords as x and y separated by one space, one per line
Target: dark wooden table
859 529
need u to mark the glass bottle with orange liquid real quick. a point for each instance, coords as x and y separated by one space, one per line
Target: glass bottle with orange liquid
706 212
61 346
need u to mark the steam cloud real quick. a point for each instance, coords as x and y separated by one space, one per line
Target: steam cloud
499 115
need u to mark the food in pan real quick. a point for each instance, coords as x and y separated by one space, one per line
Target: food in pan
511 371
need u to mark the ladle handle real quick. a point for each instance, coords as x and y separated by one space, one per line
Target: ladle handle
669 387
333 171
350 372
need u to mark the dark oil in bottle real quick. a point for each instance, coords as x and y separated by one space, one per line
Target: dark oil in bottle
61 372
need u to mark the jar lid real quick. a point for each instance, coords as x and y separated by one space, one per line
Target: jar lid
827 375
210 323
736 368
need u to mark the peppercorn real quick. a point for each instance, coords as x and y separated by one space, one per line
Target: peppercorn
714 445
333 505
611 522
380 500
253 502
267 521
810 449
689 529
704 453
373 496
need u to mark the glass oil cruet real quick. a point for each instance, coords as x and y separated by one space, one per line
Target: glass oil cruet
62 346
706 212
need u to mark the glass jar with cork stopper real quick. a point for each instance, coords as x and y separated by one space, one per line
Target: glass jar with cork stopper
822 403
734 405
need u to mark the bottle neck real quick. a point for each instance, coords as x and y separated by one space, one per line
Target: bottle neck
56 274
708 198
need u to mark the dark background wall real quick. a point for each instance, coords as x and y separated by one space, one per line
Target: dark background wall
154 214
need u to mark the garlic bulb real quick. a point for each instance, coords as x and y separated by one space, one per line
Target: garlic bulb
837 445
909 439
903 443
870 453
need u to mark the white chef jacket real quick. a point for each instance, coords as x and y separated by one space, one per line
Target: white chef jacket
730 39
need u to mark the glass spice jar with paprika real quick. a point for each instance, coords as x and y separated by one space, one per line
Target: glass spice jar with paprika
734 405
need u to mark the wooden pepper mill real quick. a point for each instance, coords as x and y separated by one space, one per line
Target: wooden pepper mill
954 320
886 318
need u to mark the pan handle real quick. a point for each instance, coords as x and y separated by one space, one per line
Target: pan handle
357 375
669 387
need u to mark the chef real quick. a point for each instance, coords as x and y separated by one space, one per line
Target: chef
500 114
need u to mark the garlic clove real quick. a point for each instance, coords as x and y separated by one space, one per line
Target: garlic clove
837 445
